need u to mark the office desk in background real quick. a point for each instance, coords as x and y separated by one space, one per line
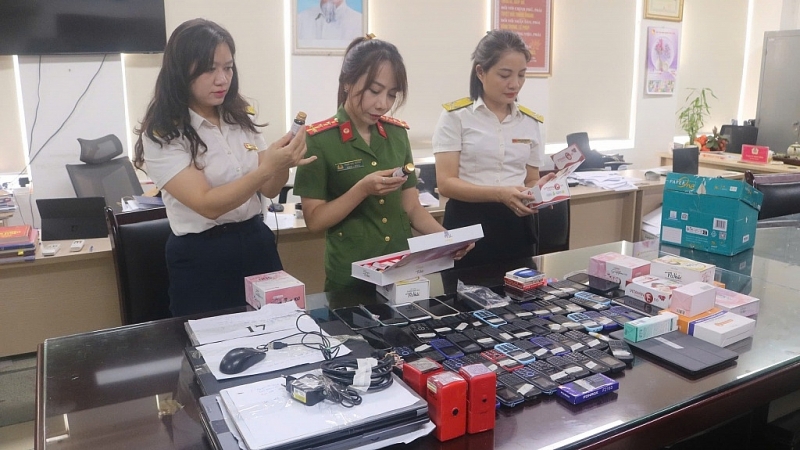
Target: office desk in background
71 292
132 387
731 161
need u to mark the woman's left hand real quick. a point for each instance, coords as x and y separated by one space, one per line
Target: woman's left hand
463 252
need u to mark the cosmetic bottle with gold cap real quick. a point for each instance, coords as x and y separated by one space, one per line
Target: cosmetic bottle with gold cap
404 171
298 123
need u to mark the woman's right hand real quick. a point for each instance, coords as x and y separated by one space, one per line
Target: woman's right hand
381 182
286 152
513 196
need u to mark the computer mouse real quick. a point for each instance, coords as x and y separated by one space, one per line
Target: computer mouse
240 359
275 207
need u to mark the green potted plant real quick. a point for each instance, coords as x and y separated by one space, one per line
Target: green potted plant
692 116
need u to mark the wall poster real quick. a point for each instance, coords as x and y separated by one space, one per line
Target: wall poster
662 60
530 19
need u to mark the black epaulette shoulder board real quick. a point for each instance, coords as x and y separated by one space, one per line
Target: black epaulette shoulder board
537 117
458 104
319 127
394 121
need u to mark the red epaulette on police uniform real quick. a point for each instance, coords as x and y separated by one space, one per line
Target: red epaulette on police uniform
322 126
393 121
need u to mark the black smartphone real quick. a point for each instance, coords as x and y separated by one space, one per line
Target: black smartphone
580 278
386 314
411 312
356 317
436 308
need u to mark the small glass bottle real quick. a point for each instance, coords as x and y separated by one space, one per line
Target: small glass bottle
404 171
298 123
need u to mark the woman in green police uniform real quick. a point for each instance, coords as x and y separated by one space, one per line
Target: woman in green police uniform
350 191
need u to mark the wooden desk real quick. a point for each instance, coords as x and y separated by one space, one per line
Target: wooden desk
57 296
107 385
731 161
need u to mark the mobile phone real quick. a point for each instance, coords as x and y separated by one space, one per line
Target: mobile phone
485 341
568 342
586 295
500 336
594 366
436 308
571 367
587 340
547 346
356 318
539 380
464 343
453 364
386 314
411 312
439 326
489 318
501 360
565 322
580 278
587 322
568 306
615 364
517 332
515 353
397 336
508 397
518 310
422 331
606 322
446 348
519 385
601 285
552 372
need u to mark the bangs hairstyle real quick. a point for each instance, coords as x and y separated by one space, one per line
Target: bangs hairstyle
490 49
189 53
364 56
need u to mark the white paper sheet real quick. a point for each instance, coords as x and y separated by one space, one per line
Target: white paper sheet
269 318
266 416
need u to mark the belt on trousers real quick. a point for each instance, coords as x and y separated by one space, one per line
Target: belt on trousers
250 223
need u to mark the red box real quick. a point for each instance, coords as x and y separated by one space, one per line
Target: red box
481 388
755 153
416 374
447 405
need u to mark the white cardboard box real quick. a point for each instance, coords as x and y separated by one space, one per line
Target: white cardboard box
693 298
650 289
556 190
617 267
723 330
406 291
426 254
682 270
737 303
274 287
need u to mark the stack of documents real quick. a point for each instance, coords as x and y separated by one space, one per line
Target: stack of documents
604 179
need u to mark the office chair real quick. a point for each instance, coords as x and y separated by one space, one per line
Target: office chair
594 159
781 193
104 175
138 242
553 228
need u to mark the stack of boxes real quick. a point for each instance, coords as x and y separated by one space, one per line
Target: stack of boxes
521 281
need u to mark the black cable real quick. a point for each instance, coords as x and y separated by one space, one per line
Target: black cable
343 372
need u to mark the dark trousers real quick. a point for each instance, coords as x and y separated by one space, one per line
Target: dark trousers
207 270
505 236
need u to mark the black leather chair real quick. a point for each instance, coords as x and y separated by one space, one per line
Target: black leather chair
553 226
781 193
138 242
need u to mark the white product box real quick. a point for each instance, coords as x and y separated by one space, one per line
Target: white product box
648 327
617 267
723 330
737 303
556 190
693 298
426 254
654 290
682 270
274 287
406 291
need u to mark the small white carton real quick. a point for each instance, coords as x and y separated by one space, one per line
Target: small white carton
617 267
654 290
693 298
723 330
556 190
682 270
406 291
737 303
426 254
274 287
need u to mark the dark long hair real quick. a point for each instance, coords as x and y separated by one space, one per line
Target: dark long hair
364 56
189 53
489 50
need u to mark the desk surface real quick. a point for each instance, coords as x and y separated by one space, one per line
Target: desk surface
111 385
733 161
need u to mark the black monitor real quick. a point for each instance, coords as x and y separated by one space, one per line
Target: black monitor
738 135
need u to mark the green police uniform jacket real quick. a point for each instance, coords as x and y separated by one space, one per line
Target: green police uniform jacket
379 225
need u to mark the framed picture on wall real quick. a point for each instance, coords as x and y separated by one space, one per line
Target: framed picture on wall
532 20
663 10
326 27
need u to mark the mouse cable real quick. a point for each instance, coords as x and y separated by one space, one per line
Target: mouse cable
325 346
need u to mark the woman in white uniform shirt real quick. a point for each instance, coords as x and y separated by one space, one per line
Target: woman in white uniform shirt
488 150
202 149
